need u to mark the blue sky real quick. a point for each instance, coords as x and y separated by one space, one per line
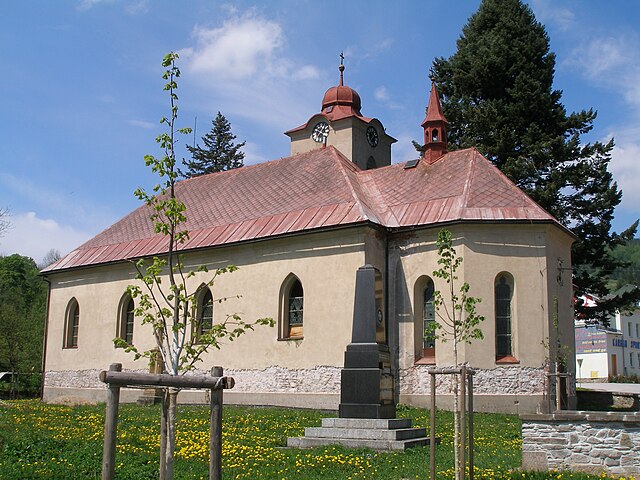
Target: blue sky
82 88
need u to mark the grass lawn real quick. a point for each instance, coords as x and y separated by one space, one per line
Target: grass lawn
40 441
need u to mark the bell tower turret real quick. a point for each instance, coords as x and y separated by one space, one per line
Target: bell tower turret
435 128
340 123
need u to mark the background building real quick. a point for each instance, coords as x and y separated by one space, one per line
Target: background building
608 352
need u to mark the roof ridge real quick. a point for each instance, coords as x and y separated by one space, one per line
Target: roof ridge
344 163
367 177
469 179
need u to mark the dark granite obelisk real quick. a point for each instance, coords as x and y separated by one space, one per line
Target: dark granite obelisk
366 379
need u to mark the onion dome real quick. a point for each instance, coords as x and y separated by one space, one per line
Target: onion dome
346 99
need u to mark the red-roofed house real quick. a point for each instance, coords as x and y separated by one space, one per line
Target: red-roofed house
298 228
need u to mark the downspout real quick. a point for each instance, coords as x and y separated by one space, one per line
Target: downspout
44 337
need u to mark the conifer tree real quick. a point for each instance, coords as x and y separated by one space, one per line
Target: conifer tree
219 152
499 97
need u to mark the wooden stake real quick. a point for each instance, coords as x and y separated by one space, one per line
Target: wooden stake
110 427
463 423
215 429
470 426
432 430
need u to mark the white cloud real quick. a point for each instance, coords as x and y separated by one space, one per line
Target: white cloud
142 124
306 72
252 154
551 12
62 204
600 56
33 237
88 4
404 150
131 7
137 7
373 49
241 47
382 95
626 170
241 68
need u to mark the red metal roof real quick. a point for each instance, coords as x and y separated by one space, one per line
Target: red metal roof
317 189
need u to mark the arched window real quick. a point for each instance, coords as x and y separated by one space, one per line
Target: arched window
434 135
425 318
371 163
292 308
503 294
72 324
204 316
428 321
126 319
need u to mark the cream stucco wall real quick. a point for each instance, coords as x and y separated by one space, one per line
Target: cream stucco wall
325 263
529 253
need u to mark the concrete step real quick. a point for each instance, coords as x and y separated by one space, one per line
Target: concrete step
365 433
390 434
382 445
370 423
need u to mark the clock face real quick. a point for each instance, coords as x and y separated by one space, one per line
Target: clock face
372 136
320 132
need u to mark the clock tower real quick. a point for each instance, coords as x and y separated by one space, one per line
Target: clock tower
340 123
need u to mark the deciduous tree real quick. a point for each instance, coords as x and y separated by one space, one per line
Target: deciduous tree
22 305
52 256
499 97
456 321
4 221
164 299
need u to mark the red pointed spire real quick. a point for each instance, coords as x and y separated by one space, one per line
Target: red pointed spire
435 128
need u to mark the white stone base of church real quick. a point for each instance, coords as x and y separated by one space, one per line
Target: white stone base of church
507 389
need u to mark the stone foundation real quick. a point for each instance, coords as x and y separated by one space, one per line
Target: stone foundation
505 389
503 380
593 442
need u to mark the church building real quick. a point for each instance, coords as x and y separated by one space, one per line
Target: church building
298 228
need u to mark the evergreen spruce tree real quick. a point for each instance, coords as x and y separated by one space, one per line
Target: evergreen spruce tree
499 97
219 152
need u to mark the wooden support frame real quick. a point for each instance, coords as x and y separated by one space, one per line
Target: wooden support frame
560 379
466 418
115 378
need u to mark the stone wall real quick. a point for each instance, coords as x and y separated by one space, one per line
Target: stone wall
324 379
505 389
593 442
513 380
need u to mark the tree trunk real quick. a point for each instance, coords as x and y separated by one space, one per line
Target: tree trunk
172 396
163 434
456 414
456 428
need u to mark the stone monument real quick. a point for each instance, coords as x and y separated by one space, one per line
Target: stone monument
366 386
367 403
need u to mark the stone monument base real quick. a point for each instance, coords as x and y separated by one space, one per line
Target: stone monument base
388 434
